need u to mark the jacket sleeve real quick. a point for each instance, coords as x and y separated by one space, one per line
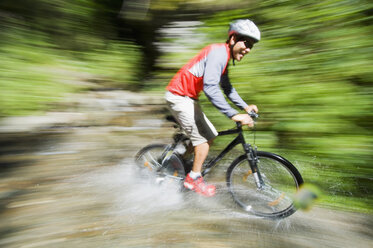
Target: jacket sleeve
231 92
215 63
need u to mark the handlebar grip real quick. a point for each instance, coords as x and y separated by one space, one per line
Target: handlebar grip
253 115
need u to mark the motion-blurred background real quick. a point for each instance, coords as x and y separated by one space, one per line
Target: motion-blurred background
311 74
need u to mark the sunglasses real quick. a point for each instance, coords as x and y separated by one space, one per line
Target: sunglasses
248 43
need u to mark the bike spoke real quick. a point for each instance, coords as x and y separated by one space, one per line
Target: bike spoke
277 201
151 162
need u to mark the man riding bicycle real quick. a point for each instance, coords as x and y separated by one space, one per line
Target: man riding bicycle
204 72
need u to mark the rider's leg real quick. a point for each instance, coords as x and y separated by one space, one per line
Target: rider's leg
194 122
194 180
200 154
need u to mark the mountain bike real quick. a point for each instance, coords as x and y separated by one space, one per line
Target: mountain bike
261 183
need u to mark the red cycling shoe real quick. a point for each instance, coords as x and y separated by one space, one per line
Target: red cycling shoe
199 186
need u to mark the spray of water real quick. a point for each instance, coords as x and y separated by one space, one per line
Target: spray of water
131 195
127 192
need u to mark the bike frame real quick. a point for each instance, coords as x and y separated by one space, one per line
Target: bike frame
249 151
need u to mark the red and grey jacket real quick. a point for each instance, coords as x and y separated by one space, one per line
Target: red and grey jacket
204 72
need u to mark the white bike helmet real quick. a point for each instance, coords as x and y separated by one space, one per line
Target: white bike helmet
245 28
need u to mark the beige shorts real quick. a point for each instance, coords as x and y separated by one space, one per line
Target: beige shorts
194 122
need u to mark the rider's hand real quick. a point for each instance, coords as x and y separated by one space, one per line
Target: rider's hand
250 108
245 119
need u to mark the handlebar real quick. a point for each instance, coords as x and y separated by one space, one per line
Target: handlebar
252 114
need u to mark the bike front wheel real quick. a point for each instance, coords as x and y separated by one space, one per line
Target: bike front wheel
273 199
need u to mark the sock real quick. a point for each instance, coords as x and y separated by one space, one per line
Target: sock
194 175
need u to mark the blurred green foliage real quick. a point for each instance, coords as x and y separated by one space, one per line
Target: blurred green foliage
52 48
311 75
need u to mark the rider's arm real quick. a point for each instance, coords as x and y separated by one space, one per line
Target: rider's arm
231 92
215 63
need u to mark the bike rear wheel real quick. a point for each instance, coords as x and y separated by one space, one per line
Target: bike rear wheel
160 161
281 181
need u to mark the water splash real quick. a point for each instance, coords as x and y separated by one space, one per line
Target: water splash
126 191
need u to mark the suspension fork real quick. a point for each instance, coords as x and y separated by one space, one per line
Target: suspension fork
253 162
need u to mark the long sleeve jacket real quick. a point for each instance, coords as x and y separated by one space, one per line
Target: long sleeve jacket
206 72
